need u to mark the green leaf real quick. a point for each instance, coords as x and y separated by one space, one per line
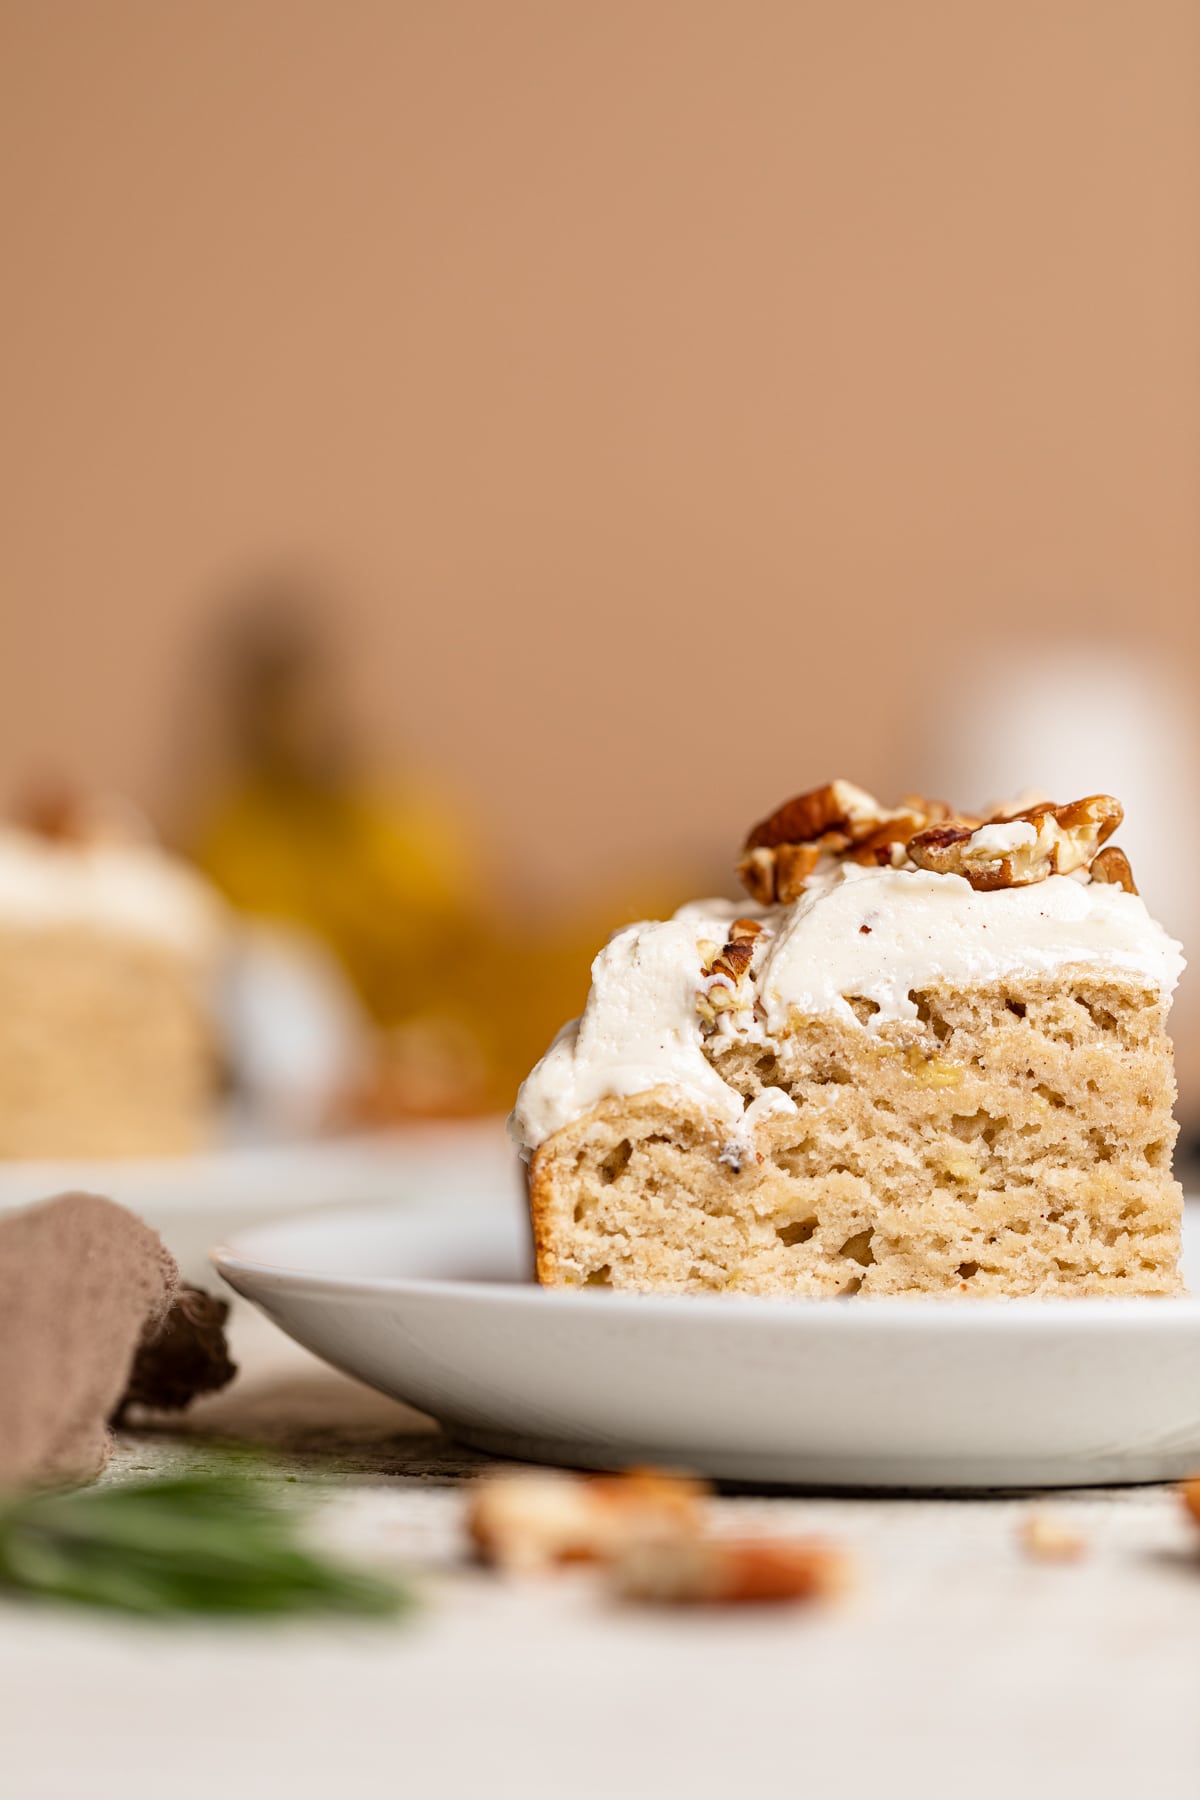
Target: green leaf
203 1543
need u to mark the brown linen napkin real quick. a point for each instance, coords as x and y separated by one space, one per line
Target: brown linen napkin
184 1356
83 1285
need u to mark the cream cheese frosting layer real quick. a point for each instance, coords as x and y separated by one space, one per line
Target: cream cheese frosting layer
640 1030
880 933
855 932
131 888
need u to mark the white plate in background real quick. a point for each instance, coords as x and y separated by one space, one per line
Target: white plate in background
195 1200
435 1307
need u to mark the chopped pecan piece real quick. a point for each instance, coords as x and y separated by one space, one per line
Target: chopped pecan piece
734 959
744 928
724 967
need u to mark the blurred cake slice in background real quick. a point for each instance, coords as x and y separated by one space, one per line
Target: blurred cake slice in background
930 1058
110 957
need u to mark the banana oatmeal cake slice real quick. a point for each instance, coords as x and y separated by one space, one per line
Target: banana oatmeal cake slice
931 1056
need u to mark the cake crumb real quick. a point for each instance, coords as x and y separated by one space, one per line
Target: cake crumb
1047 1539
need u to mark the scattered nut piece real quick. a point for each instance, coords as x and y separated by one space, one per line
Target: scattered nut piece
1047 1539
525 1522
717 1571
522 1521
1023 849
736 955
1189 1493
1112 865
649 1531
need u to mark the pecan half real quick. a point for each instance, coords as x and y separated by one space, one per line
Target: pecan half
838 806
1022 849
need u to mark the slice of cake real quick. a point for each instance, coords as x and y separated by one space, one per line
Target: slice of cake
109 953
930 1056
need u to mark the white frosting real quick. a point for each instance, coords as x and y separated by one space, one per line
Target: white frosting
1000 840
870 932
640 1030
881 932
131 888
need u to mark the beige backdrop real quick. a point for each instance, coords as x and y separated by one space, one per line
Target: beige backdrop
677 392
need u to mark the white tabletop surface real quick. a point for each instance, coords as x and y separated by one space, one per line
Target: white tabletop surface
959 1667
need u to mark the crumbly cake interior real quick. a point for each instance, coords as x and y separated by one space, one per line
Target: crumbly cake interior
106 1046
1014 1139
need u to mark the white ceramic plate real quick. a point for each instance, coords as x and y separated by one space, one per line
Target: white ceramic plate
437 1309
240 1181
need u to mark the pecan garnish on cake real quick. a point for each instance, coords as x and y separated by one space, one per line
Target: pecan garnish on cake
844 823
1020 849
